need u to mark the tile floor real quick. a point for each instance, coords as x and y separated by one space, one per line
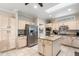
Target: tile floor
33 51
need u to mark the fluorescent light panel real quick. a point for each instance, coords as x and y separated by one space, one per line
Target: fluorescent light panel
57 7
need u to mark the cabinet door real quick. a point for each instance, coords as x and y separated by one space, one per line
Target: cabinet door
0 21
56 46
21 42
4 40
22 24
12 31
4 22
0 34
7 32
40 46
48 49
3 33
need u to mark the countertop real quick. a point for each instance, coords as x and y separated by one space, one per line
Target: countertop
71 40
22 36
52 38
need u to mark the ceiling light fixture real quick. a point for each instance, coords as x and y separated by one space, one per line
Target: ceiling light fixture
35 6
69 9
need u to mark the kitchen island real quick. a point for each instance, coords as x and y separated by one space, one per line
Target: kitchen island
49 45
21 41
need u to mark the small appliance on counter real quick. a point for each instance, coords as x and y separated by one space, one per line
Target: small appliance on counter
55 32
63 30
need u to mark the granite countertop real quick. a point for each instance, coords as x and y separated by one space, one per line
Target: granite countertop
21 35
52 38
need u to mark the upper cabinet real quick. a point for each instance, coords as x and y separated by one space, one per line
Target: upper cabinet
3 21
68 21
22 24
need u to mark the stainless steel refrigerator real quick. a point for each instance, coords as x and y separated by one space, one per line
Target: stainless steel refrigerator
32 35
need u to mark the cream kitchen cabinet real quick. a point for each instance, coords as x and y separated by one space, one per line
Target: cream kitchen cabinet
22 24
45 47
49 46
4 42
7 33
40 46
21 41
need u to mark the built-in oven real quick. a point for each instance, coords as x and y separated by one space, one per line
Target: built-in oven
48 31
21 32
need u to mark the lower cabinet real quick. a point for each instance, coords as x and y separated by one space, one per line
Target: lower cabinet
4 42
3 45
45 47
49 47
21 41
40 46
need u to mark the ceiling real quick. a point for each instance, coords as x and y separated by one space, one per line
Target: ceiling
41 11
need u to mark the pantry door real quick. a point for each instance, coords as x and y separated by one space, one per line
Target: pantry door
12 33
7 32
4 33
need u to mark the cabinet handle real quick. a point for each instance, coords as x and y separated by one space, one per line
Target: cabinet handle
8 26
8 31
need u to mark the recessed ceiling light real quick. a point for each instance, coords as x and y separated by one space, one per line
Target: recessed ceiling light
35 6
58 6
69 9
50 15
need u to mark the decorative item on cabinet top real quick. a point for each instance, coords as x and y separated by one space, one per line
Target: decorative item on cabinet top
48 21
